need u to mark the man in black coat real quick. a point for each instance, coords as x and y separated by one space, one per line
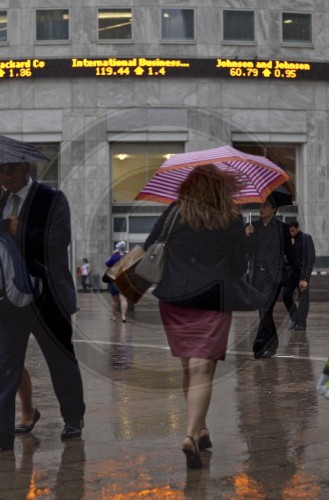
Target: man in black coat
304 246
269 244
42 230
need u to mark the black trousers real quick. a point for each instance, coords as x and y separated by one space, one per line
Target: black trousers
53 332
266 336
298 314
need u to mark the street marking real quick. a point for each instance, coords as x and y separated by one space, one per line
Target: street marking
166 348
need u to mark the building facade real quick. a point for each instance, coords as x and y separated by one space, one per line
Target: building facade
109 89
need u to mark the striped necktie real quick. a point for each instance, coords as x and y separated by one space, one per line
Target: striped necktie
14 210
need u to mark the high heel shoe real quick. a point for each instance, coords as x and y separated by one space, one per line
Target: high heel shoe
25 429
204 441
193 459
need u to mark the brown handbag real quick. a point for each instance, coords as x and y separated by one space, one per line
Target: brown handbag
122 275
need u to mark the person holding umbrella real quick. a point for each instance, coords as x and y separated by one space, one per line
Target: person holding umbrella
39 222
269 243
205 247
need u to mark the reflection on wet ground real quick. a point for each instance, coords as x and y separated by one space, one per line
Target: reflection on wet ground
268 425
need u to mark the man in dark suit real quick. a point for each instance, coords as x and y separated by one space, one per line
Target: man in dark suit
268 244
304 246
42 230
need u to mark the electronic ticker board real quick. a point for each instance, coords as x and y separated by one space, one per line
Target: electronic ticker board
162 68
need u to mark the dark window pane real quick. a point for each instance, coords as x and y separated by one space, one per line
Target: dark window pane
239 25
3 25
296 27
52 24
114 24
177 24
141 224
119 224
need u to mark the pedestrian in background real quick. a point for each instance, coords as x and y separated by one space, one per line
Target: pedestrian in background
305 250
85 275
119 301
205 246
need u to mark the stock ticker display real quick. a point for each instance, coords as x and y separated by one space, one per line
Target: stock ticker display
161 68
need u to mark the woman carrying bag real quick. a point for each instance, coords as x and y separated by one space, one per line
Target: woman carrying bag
118 300
205 249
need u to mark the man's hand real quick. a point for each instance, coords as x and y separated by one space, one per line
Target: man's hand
303 285
13 224
249 230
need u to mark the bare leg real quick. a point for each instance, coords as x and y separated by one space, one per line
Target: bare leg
197 384
124 306
115 306
25 395
186 377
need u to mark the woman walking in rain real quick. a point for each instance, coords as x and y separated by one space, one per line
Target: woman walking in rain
205 247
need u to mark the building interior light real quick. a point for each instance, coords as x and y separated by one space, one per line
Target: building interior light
122 156
114 15
167 156
287 21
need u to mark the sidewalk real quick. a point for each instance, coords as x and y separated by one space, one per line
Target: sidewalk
268 426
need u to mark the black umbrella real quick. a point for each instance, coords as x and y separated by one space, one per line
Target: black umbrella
282 197
12 151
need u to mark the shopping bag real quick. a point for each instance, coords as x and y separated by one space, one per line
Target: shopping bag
123 276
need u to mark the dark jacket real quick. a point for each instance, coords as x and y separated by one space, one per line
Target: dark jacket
276 248
197 260
307 259
44 235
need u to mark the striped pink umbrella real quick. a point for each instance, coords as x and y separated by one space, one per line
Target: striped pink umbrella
258 175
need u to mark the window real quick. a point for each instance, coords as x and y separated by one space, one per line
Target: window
52 24
43 171
177 24
296 28
3 25
115 24
239 25
133 164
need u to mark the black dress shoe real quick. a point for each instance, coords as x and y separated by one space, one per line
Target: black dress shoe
259 349
72 430
300 328
25 429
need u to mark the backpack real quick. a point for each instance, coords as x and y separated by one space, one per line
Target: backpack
17 287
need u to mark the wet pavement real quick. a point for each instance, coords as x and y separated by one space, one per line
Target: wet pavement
268 426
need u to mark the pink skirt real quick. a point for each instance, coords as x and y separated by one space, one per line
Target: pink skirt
195 333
